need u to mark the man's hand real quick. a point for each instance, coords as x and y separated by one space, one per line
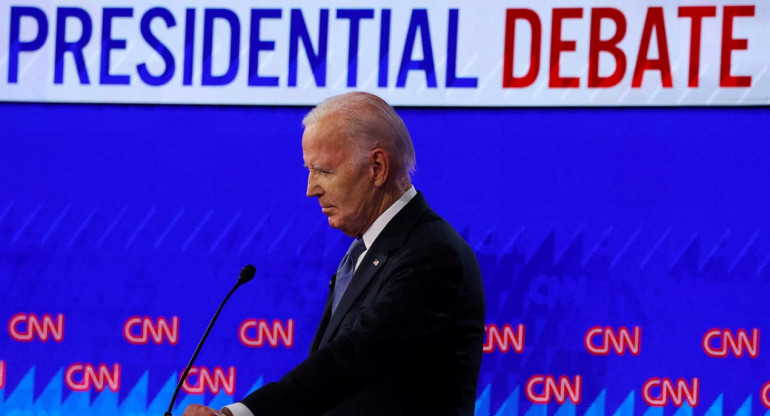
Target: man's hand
199 410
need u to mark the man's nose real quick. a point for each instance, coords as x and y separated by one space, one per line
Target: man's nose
312 187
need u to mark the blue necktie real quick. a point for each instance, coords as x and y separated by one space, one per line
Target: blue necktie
346 269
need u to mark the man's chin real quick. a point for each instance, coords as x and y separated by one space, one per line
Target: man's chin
338 226
333 223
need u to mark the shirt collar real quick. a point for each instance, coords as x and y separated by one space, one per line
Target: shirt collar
379 224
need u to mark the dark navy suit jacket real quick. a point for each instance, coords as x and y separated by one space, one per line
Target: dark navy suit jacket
406 338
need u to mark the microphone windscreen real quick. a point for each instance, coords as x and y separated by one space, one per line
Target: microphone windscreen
247 273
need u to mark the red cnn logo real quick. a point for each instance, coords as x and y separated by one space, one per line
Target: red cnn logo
263 332
42 328
214 382
83 377
149 329
682 392
619 341
728 340
765 396
2 374
551 389
496 340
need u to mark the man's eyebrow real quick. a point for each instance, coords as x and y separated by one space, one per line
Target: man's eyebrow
314 167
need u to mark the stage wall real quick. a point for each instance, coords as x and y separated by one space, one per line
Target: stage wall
648 220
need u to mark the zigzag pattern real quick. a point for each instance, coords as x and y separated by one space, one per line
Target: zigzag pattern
610 277
21 401
136 403
203 230
511 407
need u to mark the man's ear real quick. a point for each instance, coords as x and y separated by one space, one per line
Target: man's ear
380 166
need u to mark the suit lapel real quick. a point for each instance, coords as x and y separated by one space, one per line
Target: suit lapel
325 317
376 257
363 274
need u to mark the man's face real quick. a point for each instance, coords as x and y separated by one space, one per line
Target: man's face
342 183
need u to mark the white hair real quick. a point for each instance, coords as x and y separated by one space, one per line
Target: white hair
371 123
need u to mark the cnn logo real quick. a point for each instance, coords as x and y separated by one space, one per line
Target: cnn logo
26 327
140 330
718 343
601 340
201 379
256 333
659 392
84 377
504 340
543 389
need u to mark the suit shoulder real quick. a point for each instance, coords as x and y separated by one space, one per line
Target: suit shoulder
432 227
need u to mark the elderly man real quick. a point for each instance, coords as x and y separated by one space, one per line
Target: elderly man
403 327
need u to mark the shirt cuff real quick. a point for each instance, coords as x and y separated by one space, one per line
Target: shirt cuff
239 409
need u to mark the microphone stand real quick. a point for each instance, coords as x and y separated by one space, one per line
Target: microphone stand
247 273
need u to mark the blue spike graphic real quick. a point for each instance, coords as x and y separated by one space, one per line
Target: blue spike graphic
51 397
684 410
597 407
627 407
106 403
135 403
159 405
716 408
745 409
21 398
654 411
77 403
537 410
482 403
511 405
567 409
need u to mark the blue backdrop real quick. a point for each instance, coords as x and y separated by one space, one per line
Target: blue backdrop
654 218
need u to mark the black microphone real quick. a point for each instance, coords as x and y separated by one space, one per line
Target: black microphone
247 273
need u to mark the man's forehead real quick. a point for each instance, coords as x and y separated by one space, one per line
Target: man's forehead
325 135
325 151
